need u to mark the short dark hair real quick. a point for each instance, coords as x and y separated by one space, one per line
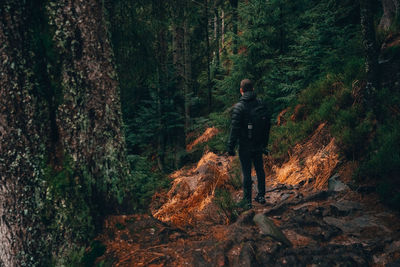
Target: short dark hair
246 85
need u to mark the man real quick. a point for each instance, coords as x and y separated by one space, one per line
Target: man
250 125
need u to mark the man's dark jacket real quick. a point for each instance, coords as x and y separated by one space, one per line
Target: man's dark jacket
239 124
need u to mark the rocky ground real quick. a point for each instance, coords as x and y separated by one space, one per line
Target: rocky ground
314 221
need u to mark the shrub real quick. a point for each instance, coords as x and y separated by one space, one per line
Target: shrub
384 160
226 204
143 182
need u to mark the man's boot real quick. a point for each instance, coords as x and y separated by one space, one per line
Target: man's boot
260 199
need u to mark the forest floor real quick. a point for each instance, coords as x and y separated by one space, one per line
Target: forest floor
315 215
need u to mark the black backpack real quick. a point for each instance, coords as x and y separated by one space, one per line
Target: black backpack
257 123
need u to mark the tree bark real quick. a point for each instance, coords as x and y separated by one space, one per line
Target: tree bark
390 10
217 34
90 118
222 28
188 73
162 49
55 105
179 99
370 50
234 5
209 98
21 150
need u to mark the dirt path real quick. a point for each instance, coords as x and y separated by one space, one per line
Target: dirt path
326 228
323 220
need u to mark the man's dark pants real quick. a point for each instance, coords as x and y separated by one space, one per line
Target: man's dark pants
248 157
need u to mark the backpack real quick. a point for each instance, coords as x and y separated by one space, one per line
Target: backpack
257 122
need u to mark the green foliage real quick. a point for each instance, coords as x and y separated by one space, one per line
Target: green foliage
80 256
226 204
384 159
389 193
327 100
353 129
143 182
96 250
383 162
73 258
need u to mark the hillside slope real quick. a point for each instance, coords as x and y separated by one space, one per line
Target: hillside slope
313 215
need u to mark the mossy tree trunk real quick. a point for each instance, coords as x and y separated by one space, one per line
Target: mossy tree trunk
20 144
89 118
62 150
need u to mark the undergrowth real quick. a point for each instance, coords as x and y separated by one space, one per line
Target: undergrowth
226 204
145 181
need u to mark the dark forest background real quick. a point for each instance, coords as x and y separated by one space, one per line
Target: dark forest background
180 65
100 99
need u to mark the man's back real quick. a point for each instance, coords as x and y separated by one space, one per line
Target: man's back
250 124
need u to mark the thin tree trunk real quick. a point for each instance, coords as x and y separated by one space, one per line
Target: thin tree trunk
209 102
178 60
222 28
188 73
281 30
370 49
162 48
217 31
234 5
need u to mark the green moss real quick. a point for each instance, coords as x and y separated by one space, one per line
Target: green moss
47 63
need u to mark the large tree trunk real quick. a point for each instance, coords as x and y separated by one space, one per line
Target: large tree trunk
60 110
20 144
89 119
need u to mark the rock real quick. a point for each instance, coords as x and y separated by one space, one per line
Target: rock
299 240
198 259
268 228
319 195
246 218
318 211
285 196
355 225
366 189
278 187
344 207
335 185
247 256
393 264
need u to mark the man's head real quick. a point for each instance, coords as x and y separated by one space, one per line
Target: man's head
246 86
